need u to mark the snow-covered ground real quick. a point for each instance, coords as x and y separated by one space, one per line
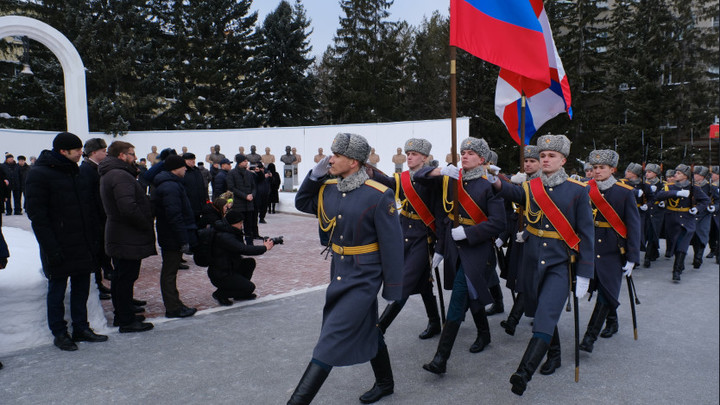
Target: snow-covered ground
23 288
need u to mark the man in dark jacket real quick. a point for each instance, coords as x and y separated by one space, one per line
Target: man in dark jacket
220 182
228 270
94 152
23 169
241 182
175 231
129 234
64 222
195 186
11 171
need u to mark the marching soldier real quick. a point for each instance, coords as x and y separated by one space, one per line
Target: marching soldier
654 217
617 241
702 219
643 194
669 179
559 235
714 208
682 202
417 218
589 175
498 306
366 240
466 248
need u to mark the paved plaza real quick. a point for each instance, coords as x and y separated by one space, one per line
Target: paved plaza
255 351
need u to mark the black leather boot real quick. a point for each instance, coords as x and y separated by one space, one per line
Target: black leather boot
535 352
596 322
384 383
309 384
483 331
431 309
516 313
389 313
611 324
498 307
447 339
678 266
553 355
698 257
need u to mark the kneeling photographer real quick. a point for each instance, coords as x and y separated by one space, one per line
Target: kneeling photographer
229 271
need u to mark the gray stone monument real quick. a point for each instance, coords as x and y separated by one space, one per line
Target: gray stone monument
288 159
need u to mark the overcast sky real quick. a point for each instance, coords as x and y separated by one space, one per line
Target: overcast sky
325 15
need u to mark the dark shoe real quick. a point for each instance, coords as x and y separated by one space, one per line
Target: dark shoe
138 309
101 287
138 318
262 221
389 313
611 325
183 266
438 365
535 352
309 384
221 299
136 326
431 309
553 356
64 342
676 276
433 328
103 296
183 312
698 257
513 319
597 319
483 331
384 383
87 335
18 213
139 303
710 255
496 309
646 261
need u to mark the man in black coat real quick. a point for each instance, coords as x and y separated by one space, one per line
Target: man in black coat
23 169
11 171
59 205
129 233
229 271
175 231
241 182
195 186
219 185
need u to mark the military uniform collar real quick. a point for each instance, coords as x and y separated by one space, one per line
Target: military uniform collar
554 179
352 181
473 174
607 183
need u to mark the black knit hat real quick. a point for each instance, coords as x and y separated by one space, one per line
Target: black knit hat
67 141
173 162
233 217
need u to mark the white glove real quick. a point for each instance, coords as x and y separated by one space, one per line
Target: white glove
693 211
494 169
492 179
450 171
436 260
498 242
519 237
644 207
628 268
682 193
581 286
661 204
459 233
518 178
653 188
320 169
640 193
711 208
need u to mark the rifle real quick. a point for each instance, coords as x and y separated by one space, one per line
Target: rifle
644 162
662 169
692 171
633 297
576 316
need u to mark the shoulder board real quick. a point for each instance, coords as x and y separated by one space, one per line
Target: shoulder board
331 181
578 182
627 186
376 185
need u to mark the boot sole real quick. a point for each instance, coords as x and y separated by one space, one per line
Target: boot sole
433 369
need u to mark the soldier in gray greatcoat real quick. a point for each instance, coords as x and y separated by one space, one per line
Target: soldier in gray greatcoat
366 240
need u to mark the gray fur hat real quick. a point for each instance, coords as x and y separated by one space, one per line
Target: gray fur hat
93 144
684 169
477 145
669 172
419 145
713 169
701 170
652 167
532 152
353 146
635 168
557 143
604 157
493 157
587 166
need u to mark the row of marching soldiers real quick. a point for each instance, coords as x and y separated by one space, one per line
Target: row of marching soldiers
563 237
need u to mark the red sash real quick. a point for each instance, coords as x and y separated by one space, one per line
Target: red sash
606 210
552 212
469 204
416 202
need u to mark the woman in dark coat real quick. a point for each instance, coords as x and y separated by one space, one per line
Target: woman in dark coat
274 188
229 271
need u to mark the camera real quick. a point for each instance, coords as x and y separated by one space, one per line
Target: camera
277 240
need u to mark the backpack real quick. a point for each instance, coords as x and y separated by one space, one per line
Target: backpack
202 251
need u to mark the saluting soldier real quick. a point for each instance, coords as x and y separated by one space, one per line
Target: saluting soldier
681 209
703 218
417 218
559 234
617 241
466 248
654 216
361 218
512 191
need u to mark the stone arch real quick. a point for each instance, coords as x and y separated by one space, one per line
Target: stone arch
72 65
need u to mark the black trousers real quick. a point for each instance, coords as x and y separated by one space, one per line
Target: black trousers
168 279
79 291
16 200
250 226
125 274
236 285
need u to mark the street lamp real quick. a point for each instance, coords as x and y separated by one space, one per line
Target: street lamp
26 57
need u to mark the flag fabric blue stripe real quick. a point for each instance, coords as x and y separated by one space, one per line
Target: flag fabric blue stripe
516 12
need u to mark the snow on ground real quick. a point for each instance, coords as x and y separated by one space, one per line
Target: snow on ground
23 288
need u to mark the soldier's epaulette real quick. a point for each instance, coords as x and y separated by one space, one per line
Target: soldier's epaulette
331 181
376 185
578 182
624 185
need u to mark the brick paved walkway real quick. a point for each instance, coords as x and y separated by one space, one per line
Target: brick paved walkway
294 265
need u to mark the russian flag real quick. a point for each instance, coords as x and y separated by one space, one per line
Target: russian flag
506 33
543 101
